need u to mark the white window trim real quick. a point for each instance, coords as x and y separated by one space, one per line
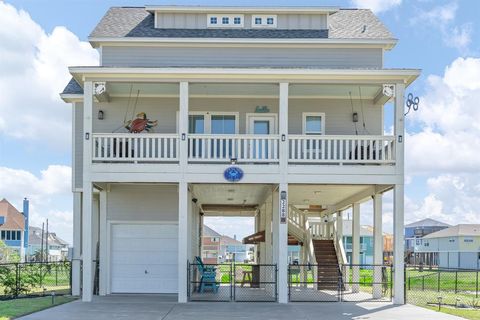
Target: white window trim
231 19
314 114
264 18
208 119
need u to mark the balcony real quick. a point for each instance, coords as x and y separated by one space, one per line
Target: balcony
245 148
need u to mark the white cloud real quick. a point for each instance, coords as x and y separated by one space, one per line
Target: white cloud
376 6
447 149
33 72
448 113
49 194
442 18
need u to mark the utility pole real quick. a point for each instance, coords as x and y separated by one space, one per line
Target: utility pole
41 243
46 243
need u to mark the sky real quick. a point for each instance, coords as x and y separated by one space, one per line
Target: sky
40 38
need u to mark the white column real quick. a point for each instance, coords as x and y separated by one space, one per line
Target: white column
77 243
183 226
281 230
182 241
355 246
87 258
183 126
103 280
398 197
339 226
377 245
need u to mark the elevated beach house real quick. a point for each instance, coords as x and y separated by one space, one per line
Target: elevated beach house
276 113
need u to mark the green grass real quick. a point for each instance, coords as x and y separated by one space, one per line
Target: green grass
467 314
15 308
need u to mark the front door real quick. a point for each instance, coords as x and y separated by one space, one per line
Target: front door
262 124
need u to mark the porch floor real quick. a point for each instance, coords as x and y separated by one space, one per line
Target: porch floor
164 307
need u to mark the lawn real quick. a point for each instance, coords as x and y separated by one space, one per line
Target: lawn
15 308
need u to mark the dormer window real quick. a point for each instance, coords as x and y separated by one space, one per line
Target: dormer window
225 21
264 21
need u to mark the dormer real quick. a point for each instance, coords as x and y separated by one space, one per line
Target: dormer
206 17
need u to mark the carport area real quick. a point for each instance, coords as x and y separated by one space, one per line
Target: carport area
165 307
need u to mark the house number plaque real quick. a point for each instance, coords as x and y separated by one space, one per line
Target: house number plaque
283 207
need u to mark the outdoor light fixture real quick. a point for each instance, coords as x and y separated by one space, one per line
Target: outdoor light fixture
87 136
355 117
100 115
184 136
233 161
284 137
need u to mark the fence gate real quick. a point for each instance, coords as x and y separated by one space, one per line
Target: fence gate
232 282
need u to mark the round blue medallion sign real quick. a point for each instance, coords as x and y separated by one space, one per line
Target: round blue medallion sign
233 174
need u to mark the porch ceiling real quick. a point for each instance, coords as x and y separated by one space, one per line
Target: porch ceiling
237 200
260 90
324 195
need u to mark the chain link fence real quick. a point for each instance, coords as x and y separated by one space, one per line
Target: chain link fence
19 280
232 282
437 287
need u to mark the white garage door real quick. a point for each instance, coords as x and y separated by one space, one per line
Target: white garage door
144 258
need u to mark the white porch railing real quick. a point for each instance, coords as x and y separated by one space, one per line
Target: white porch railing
222 148
341 149
139 147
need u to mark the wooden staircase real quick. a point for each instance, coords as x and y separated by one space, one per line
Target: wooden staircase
328 268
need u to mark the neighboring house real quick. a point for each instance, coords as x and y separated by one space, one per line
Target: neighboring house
366 243
210 246
57 248
228 110
414 232
13 226
454 247
232 250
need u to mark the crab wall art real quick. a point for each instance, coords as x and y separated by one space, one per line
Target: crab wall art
140 124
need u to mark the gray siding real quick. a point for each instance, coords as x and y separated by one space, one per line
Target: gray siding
338 113
199 21
78 146
123 56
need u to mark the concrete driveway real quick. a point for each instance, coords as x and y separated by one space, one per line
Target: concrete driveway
143 307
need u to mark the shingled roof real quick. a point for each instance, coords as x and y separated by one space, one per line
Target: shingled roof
468 230
136 22
14 220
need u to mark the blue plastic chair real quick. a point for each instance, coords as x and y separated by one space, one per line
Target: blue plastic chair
207 276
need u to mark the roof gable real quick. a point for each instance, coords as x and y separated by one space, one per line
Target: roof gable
427 223
14 219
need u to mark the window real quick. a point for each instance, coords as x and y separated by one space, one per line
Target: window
451 240
213 123
3 235
264 21
19 235
313 123
223 124
224 20
469 240
8 235
196 123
